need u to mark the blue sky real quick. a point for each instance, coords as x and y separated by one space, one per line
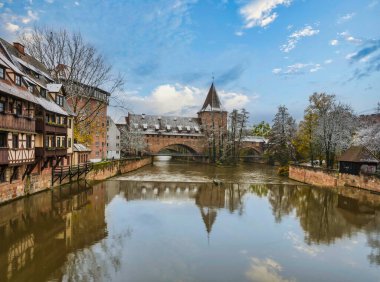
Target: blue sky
263 53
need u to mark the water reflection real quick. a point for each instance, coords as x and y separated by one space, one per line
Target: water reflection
191 231
208 197
41 230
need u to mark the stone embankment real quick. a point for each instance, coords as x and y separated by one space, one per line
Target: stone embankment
43 180
331 178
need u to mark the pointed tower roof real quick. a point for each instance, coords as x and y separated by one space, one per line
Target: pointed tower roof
212 102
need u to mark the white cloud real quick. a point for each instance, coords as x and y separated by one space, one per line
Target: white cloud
265 270
300 246
298 68
334 42
296 36
316 68
31 16
76 3
49 1
260 12
232 100
1 5
349 38
12 27
177 99
327 62
345 18
239 33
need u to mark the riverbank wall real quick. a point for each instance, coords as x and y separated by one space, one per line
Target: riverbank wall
41 181
331 178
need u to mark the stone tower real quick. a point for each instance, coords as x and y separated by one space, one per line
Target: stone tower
213 119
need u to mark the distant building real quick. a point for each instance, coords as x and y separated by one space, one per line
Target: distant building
80 154
92 102
113 140
357 159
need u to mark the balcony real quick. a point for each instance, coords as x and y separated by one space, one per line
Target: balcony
59 129
50 152
11 156
13 122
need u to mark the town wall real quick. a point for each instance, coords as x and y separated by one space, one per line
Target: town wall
330 178
37 182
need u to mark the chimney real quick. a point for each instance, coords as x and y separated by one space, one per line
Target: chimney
19 47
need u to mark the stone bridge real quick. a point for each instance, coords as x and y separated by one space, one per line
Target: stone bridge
180 143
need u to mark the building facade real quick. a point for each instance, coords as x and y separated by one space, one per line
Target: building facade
89 104
113 140
34 122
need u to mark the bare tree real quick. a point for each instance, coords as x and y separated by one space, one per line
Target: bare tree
336 124
79 67
132 142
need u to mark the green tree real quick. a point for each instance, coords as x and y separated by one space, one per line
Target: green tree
281 136
261 129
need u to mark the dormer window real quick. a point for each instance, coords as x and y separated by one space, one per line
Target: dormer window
18 80
43 92
59 100
2 73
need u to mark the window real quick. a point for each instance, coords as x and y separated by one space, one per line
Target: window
2 107
117 152
58 142
117 144
59 100
31 88
69 122
18 80
117 137
28 141
15 141
43 92
2 73
69 142
19 108
3 140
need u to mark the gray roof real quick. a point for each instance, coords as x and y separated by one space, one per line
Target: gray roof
258 139
51 106
77 147
17 92
212 102
164 124
54 87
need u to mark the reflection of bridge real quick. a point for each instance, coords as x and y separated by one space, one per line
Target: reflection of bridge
208 197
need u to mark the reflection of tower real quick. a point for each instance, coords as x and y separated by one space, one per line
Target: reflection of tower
208 216
209 199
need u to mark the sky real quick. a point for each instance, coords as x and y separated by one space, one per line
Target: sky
261 53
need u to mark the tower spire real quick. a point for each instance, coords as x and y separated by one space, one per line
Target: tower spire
212 102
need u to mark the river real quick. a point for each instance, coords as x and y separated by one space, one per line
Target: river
169 222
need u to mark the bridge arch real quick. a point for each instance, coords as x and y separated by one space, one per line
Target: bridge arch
180 149
195 145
